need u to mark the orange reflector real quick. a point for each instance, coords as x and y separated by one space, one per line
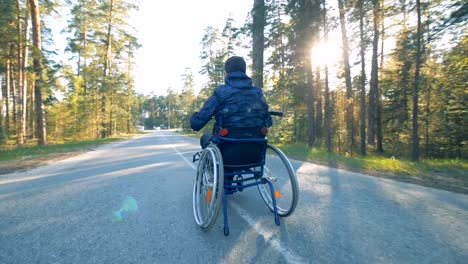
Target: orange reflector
209 193
224 132
264 131
277 194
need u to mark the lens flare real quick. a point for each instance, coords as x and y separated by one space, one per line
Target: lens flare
129 204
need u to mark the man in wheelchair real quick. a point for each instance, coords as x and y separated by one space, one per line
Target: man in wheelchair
240 156
239 108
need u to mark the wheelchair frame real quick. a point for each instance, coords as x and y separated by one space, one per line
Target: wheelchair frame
238 183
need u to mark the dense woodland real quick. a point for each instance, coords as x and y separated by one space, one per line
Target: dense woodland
399 87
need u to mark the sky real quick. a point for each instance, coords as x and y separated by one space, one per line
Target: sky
170 33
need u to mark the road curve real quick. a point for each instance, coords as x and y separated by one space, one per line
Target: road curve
131 202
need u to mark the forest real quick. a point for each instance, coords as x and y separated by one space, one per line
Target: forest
398 87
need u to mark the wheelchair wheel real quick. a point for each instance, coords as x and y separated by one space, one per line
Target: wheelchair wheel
280 172
208 187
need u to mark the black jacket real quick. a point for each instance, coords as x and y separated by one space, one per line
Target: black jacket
235 104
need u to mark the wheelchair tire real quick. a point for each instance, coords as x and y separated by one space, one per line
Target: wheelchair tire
208 187
280 172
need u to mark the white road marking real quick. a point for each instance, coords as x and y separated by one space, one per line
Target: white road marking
269 237
186 160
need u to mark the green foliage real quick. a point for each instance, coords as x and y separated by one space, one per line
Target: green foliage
213 57
8 25
187 98
153 111
396 84
453 112
281 131
100 97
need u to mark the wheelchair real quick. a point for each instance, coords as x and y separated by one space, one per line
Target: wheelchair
228 165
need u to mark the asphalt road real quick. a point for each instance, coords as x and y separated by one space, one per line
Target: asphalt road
131 202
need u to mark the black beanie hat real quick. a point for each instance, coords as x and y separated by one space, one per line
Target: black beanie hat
235 63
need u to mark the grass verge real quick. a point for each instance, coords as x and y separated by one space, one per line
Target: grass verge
13 158
10 152
447 174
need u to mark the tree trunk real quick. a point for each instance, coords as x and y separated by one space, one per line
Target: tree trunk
349 108
309 32
25 66
106 72
37 63
427 52
97 129
382 35
32 111
258 43
85 62
414 136
14 96
403 115
378 119
282 74
328 113
110 131
363 81
7 94
374 80
427 120
378 123
21 125
129 119
2 123
318 98
310 102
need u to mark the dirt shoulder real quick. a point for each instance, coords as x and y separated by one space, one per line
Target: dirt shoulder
435 180
29 162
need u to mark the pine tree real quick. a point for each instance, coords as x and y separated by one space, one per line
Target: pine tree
212 57
328 109
362 77
347 74
187 97
7 33
37 62
415 127
374 94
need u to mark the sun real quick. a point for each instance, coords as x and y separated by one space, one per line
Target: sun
325 53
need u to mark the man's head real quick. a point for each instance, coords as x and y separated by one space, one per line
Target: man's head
235 63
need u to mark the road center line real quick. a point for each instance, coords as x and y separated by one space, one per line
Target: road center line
186 160
269 237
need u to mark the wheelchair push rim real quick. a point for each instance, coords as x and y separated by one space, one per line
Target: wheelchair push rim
279 171
208 187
